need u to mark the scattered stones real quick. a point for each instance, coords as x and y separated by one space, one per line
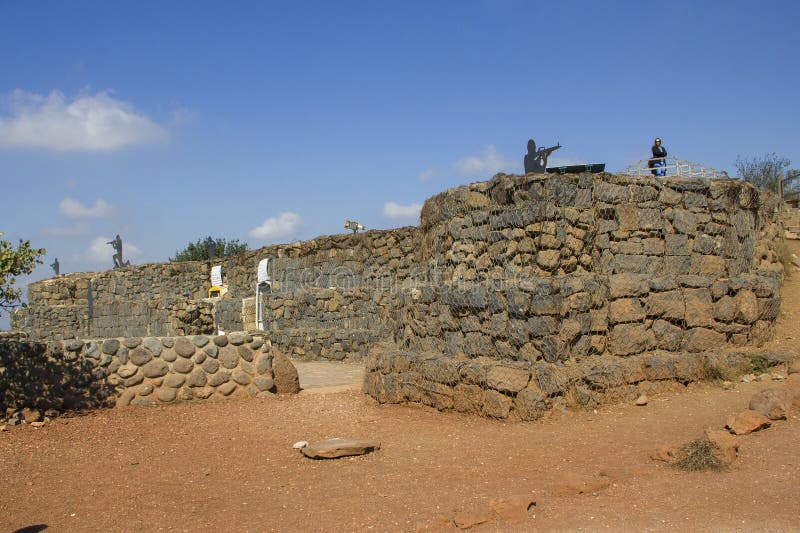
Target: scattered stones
339 447
747 422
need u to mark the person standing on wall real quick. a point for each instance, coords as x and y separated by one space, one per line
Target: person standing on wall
658 162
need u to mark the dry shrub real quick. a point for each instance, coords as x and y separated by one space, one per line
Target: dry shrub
698 455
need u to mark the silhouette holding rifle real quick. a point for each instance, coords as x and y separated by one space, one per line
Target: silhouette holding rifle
536 160
117 244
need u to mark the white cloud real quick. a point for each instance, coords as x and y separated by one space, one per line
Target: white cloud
395 210
100 253
285 225
88 122
72 208
490 162
426 175
80 228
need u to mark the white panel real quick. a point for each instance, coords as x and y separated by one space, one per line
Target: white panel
263 272
216 275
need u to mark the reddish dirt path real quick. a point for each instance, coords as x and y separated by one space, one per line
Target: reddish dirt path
230 466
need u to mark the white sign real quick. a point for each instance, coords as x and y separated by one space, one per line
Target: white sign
216 276
263 273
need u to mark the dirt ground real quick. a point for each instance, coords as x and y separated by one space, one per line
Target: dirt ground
230 466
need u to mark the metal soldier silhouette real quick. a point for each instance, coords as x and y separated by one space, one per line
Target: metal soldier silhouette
117 244
56 267
536 160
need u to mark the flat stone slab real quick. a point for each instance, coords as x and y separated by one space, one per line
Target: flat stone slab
339 447
325 376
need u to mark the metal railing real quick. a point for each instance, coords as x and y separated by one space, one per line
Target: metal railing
674 167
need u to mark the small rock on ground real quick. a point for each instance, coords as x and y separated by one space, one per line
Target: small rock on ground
747 422
513 509
473 517
642 400
339 447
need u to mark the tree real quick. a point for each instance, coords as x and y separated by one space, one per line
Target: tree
15 261
199 250
767 172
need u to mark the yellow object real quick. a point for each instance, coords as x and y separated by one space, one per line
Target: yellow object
214 291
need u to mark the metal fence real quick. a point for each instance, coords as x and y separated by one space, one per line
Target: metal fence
674 167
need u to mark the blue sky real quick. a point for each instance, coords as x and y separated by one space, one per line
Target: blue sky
275 121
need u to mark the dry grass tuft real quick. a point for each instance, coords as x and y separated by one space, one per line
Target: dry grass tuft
698 455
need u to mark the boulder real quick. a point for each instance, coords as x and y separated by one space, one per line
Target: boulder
747 422
339 447
772 403
284 374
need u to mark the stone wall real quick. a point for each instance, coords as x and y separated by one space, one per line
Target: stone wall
520 268
149 299
526 390
546 273
566 266
78 374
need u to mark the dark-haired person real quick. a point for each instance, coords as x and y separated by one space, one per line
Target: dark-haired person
658 162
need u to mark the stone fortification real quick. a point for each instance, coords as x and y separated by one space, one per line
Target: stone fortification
558 270
75 374
532 273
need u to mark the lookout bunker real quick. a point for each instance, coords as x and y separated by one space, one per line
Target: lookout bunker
509 294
